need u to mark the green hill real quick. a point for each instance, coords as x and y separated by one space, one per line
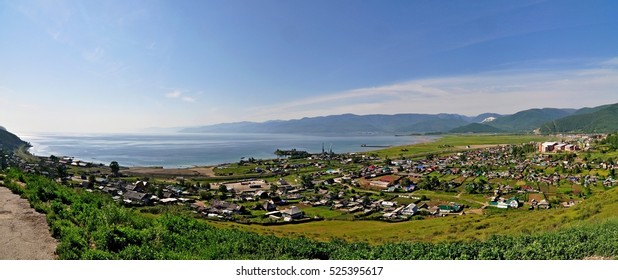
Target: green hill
602 119
10 141
529 120
476 128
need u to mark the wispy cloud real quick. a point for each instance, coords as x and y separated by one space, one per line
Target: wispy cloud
610 62
51 16
93 55
500 92
177 94
188 99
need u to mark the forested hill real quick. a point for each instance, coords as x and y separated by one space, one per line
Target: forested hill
528 120
10 141
602 119
476 128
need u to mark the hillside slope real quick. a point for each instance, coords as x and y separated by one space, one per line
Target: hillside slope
10 141
602 119
476 128
528 120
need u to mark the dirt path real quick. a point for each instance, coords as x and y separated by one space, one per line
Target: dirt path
473 211
24 234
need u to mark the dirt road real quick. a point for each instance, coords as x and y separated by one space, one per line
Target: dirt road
24 233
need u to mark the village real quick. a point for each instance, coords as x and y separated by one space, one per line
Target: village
354 186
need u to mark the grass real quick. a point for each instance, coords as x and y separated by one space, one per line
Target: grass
23 153
454 143
326 213
445 197
452 228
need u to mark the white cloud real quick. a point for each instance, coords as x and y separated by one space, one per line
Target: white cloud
610 62
177 94
173 94
501 92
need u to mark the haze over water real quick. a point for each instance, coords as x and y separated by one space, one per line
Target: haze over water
185 150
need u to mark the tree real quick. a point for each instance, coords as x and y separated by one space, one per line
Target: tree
3 163
307 181
406 181
91 180
205 195
273 188
115 167
223 191
62 172
366 201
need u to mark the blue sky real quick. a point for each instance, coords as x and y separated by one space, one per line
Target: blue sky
121 66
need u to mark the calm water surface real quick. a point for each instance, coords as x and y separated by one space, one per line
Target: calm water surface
183 150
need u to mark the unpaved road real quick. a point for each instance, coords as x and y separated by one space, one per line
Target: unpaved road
24 233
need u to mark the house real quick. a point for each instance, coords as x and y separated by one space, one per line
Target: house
543 204
136 198
434 210
167 201
273 215
547 147
499 204
355 209
388 203
139 186
269 206
278 201
226 207
409 210
261 194
111 190
453 208
570 203
292 213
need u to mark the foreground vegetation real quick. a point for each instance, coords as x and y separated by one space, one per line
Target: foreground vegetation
92 226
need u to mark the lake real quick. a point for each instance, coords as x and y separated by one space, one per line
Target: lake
186 150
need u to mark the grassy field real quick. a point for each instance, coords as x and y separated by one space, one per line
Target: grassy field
452 228
453 143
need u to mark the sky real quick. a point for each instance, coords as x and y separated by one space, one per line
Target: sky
125 66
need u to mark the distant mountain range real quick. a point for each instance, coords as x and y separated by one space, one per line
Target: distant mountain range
347 124
547 120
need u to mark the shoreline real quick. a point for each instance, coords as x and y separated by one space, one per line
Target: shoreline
194 167
97 156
